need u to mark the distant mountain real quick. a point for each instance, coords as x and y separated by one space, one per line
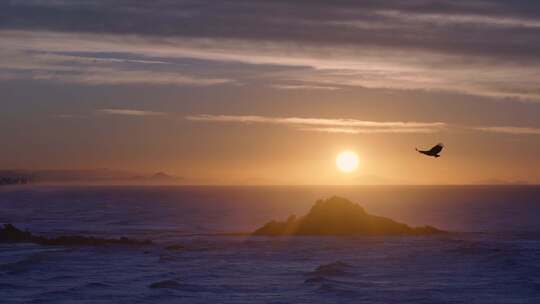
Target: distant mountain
13 177
495 181
339 216
163 176
98 176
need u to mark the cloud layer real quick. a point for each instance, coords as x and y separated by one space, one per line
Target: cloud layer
355 126
349 126
485 48
130 112
510 130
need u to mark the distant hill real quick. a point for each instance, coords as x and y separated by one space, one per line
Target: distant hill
12 177
92 176
495 181
339 216
161 176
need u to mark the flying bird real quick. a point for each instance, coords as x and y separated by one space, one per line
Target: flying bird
433 151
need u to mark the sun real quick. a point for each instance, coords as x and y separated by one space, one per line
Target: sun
347 161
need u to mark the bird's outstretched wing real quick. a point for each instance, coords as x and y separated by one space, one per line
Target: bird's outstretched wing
438 148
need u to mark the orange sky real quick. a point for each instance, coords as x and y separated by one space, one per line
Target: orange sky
222 94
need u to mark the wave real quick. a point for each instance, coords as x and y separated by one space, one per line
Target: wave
8 286
476 248
173 284
97 285
25 264
337 268
323 278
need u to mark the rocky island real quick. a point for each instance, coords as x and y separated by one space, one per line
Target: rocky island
339 216
11 234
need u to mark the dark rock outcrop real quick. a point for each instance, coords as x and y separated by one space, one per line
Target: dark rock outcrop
11 234
175 247
339 216
337 268
171 284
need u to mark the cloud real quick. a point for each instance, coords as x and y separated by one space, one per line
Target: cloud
510 130
393 23
37 55
106 76
463 19
65 116
41 60
399 45
311 121
371 130
351 126
355 126
130 112
304 87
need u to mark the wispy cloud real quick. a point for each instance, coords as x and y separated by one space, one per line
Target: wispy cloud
304 87
308 67
355 126
399 45
130 112
510 130
332 130
370 130
462 19
327 125
313 121
46 62
64 116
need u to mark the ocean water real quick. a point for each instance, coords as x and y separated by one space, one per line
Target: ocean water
493 256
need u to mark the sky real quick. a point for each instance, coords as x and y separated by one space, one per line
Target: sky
269 92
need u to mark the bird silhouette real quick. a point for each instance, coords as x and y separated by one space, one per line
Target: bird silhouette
433 151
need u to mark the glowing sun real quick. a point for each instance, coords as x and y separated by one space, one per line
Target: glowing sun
347 161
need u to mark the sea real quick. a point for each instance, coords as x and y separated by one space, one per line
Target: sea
492 254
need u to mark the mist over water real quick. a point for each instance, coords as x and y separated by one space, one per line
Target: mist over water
204 209
495 257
